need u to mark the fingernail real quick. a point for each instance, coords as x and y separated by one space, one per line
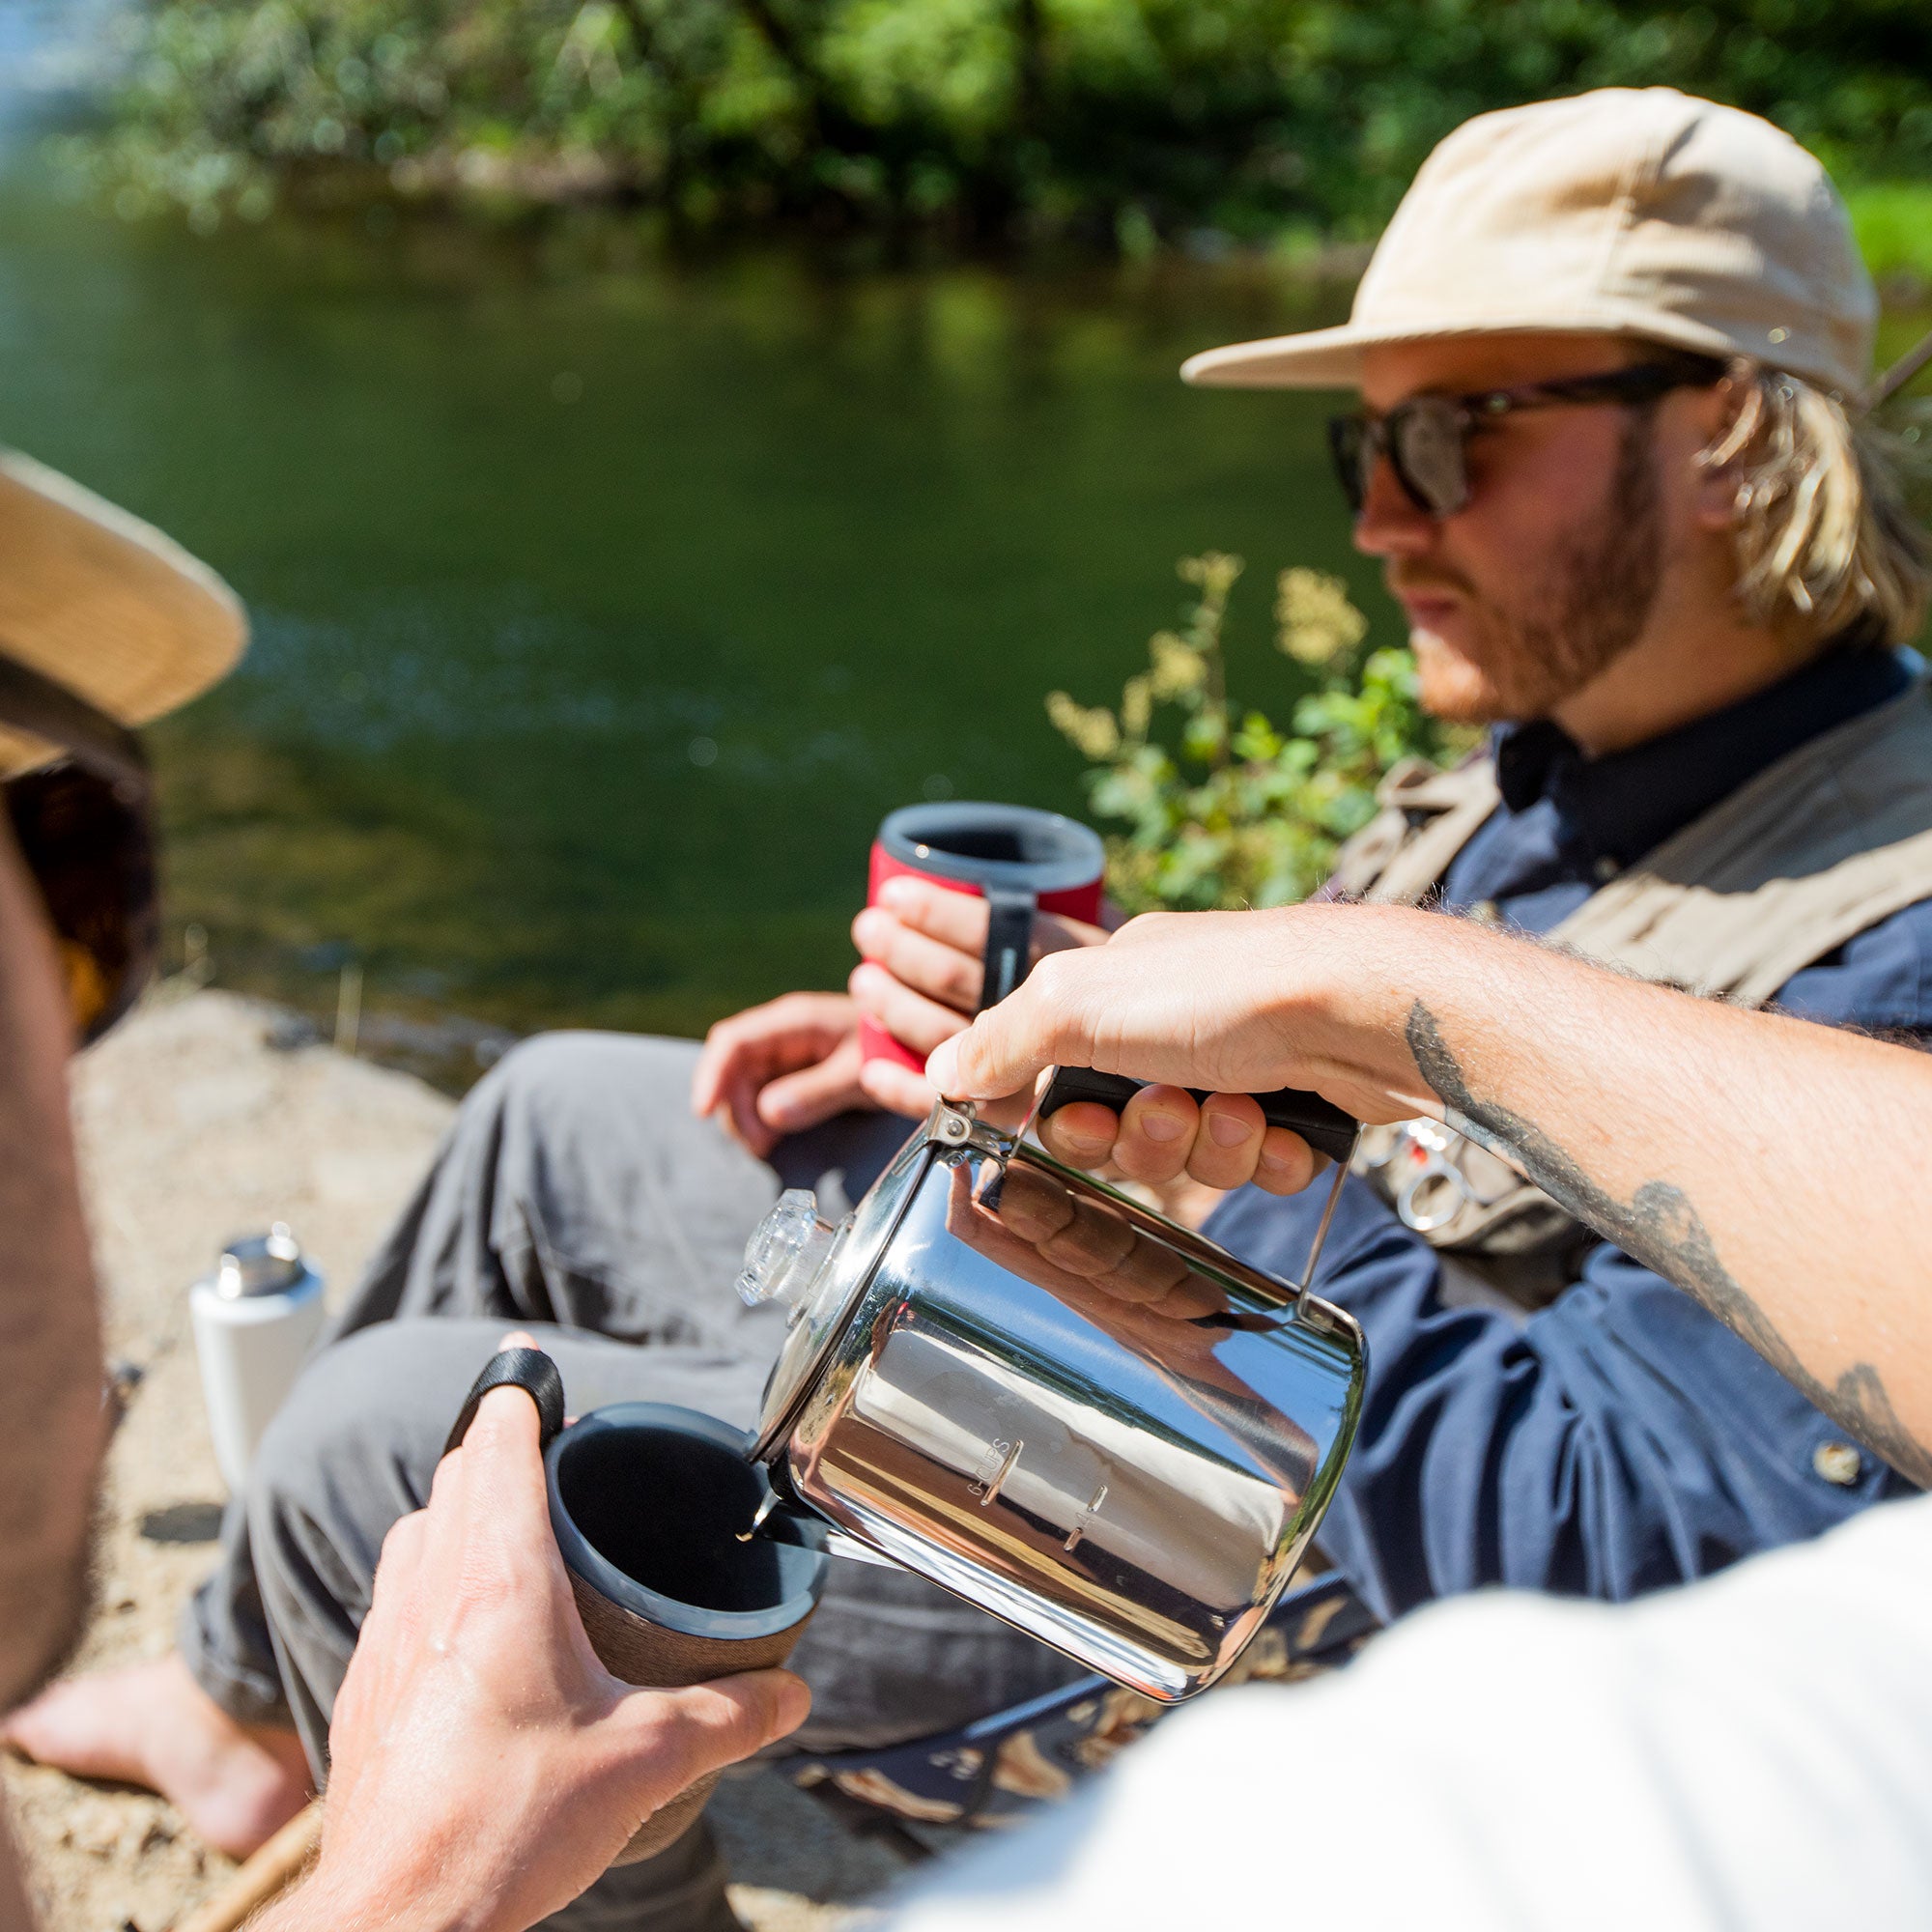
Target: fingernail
1162 1126
941 1069
794 1704
1227 1130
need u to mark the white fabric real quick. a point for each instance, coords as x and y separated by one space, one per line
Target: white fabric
1755 1752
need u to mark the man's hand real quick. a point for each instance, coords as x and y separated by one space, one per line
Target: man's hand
782 1067
485 1766
1239 1002
921 974
1162 1135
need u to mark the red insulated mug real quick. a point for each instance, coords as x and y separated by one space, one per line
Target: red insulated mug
1021 862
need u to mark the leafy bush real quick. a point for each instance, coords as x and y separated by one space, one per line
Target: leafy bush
1127 120
1224 809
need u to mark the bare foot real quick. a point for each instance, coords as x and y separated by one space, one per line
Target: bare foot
152 1725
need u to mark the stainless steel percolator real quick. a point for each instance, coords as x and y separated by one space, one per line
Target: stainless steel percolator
1024 1384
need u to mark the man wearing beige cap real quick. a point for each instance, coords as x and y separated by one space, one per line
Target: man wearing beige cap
1612 352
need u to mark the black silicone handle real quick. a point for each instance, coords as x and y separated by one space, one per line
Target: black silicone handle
1322 1124
527 1369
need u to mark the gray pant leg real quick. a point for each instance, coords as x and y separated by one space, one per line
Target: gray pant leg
888 1656
574 1186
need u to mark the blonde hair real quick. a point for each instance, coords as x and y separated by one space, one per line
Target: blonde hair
1824 540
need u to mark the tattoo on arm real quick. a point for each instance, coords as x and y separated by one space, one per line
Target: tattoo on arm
1660 1227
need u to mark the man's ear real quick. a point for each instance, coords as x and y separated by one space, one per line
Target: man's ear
1720 414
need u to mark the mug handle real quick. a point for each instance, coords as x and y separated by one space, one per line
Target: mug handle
527 1369
1010 917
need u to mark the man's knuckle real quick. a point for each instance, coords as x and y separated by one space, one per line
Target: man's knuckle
1049 976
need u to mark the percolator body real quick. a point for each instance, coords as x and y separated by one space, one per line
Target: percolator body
1053 1402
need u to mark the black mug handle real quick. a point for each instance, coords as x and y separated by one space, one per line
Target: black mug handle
527 1369
1010 917
1322 1124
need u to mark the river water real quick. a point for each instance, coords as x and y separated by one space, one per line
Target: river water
603 603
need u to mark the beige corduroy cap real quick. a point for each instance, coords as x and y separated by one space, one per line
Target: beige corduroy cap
1639 213
103 604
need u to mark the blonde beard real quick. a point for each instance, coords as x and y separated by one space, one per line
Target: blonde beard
1450 687
1573 614
1459 691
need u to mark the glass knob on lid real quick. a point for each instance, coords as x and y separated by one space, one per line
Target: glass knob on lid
786 1253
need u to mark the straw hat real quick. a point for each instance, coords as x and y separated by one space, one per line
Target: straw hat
103 604
1646 213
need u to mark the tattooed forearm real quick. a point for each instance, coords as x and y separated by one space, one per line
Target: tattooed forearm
1660 1227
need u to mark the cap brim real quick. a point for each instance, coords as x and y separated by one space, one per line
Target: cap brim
103 604
1331 358
1319 359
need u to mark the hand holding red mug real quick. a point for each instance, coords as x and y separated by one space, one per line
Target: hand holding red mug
964 897
955 890
921 976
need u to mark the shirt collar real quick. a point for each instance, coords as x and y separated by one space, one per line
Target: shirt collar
1624 804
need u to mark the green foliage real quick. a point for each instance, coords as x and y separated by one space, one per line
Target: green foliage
1893 224
1129 122
1222 807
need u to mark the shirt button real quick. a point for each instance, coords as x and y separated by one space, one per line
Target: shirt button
1838 1463
1606 868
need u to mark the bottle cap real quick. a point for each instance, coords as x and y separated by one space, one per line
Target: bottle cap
261 1264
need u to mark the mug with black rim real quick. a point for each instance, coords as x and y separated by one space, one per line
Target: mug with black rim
652 1506
1021 860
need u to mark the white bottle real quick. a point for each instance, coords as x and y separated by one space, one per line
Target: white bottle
254 1319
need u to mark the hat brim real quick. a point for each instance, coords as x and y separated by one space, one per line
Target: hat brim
1319 359
103 604
1331 358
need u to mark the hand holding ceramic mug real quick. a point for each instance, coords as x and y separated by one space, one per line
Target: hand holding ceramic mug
485 1766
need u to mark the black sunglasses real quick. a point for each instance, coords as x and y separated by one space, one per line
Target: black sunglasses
84 825
1427 438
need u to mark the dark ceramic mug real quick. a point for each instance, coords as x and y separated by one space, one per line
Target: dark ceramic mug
648 1502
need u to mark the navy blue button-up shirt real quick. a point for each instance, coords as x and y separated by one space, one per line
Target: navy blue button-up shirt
1621 1439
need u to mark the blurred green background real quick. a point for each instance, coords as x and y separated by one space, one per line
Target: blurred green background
650 456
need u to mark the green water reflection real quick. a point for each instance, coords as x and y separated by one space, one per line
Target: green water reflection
603 607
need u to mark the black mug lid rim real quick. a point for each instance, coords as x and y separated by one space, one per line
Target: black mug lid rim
626 1592
1076 857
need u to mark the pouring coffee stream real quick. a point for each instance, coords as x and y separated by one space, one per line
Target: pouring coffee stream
1046 1397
